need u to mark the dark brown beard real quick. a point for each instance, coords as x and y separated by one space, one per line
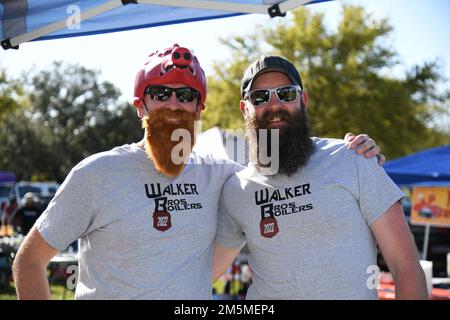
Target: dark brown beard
295 144
158 143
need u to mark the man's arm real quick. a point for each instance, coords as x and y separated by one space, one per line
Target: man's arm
399 251
30 267
222 259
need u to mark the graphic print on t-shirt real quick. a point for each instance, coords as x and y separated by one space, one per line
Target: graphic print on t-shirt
162 218
268 227
272 205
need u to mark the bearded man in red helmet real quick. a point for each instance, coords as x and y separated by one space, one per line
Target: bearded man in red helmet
146 221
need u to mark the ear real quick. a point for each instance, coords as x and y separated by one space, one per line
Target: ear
140 110
242 107
305 98
140 107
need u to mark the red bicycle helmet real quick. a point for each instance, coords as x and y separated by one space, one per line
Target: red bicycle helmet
172 65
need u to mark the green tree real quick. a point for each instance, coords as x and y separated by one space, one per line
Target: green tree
222 105
11 94
347 73
71 115
22 145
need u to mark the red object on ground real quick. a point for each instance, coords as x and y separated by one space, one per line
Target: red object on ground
386 290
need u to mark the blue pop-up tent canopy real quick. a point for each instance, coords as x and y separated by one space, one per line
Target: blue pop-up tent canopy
27 20
431 165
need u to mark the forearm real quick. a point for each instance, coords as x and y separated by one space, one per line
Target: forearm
218 271
410 283
31 282
222 259
400 254
219 267
216 276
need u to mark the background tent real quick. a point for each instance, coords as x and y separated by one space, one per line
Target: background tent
26 20
428 168
222 144
427 165
7 180
7 177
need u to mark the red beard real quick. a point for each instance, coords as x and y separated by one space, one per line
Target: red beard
158 144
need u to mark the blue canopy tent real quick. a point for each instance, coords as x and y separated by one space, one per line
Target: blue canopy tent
429 168
429 165
27 20
7 177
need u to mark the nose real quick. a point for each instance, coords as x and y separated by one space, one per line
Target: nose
274 103
173 103
181 57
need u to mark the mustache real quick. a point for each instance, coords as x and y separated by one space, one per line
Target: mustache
269 115
158 118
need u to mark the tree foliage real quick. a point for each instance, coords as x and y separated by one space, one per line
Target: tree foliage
70 115
11 94
348 75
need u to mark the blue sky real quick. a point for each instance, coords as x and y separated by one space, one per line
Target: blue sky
421 33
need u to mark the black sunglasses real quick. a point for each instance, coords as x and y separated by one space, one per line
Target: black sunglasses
284 94
162 93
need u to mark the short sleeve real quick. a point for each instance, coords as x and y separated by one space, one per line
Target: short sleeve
70 214
377 192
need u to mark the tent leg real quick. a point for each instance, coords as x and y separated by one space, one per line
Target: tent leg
425 242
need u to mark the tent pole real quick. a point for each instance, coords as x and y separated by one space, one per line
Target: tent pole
227 6
96 11
425 242
285 6
211 5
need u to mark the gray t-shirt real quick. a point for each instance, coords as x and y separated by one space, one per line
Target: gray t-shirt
143 236
309 235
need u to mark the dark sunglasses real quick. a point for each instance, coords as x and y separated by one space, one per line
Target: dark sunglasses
162 93
284 94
